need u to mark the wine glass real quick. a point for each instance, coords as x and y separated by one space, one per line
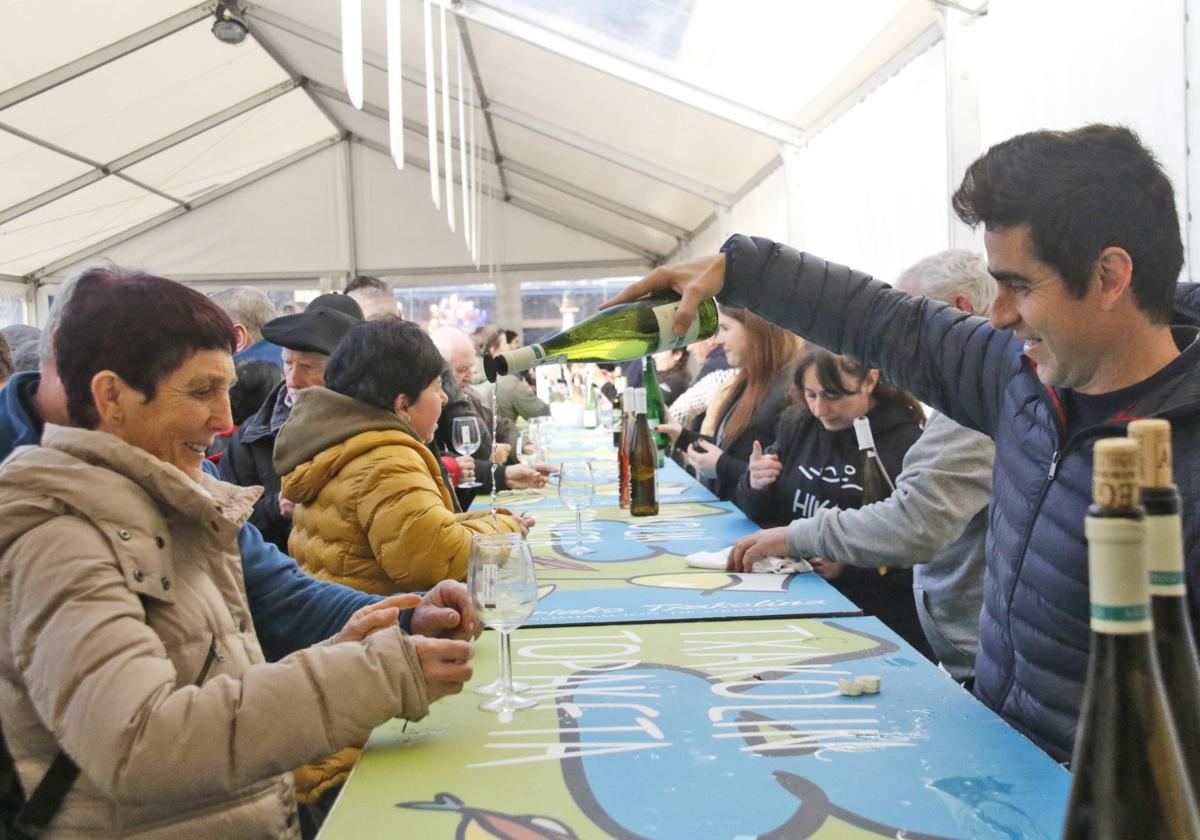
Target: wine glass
466 439
528 449
576 485
504 592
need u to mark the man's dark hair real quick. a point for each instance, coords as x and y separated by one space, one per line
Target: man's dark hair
364 281
1080 192
137 325
511 335
487 339
378 361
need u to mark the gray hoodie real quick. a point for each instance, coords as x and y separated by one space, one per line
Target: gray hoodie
936 521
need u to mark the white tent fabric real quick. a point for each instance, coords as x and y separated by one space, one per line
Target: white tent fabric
614 135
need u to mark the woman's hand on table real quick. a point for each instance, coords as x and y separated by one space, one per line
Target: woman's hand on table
466 469
703 457
446 612
764 469
443 664
769 542
693 281
671 430
375 617
500 453
526 522
526 476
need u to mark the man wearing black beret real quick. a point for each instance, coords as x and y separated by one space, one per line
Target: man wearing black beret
308 340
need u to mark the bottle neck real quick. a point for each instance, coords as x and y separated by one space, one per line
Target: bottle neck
1118 584
1164 542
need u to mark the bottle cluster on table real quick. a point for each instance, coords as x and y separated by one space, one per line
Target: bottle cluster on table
1136 748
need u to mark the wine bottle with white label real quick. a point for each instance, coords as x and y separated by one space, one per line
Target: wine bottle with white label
1173 639
625 332
1129 775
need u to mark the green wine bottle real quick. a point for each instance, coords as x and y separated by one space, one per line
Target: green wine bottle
591 414
1129 775
643 467
656 407
1173 638
625 332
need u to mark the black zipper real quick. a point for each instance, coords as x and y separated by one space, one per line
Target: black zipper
214 655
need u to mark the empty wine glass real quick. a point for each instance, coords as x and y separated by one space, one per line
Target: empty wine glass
504 592
528 450
466 439
576 485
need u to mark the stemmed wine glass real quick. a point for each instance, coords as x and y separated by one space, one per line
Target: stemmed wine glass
504 591
466 440
576 485
529 451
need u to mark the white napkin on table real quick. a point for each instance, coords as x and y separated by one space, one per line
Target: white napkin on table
775 565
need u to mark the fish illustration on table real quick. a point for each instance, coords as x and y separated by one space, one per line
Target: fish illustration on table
485 824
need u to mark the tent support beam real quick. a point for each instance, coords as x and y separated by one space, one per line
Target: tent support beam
147 151
37 141
537 210
482 98
207 198
630 213
115 50
499 111
654 81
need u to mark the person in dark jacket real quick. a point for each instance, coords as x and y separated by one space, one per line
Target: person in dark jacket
818 464
308 339
1083 239
674 376
748 408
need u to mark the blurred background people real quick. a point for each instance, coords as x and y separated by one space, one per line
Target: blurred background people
375 297
24 342
372 508
256 379
307 340
249 309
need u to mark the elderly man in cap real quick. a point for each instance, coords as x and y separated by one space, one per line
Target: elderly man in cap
308 339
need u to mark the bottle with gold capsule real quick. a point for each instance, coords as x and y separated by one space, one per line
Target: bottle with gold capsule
1173 638
1129 775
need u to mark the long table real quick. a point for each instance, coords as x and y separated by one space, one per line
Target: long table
657 721
711 729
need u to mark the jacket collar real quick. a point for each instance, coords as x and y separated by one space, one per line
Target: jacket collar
270 417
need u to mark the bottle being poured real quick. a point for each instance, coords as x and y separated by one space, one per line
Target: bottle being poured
625 332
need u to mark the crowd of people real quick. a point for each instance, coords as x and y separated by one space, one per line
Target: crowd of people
211 511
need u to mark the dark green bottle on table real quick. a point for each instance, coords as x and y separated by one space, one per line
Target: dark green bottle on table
619 334
643 471
656 407
1174 641
1130 780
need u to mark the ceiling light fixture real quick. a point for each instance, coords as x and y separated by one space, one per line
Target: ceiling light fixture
230 24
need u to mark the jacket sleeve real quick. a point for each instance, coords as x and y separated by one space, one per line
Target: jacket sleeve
291 610
527 404
953 361
413 536
101 681
237 466
946 480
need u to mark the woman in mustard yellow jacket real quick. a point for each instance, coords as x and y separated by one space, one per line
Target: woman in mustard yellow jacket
373 510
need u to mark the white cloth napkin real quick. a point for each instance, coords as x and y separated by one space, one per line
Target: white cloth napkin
776 565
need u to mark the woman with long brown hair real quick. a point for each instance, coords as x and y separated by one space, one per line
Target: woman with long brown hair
748 408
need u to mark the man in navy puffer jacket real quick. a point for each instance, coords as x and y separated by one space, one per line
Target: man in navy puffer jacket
1083 238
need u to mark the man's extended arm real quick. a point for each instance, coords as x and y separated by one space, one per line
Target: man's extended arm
953 361
946 480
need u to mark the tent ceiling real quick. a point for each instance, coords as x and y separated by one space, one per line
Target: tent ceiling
628 122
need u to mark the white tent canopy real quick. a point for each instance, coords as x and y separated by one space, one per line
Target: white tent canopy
626 132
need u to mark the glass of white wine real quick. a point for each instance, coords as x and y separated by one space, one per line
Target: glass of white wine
466 439
504 591
576 486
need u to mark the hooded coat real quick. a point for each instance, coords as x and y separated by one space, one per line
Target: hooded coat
372 509
126 641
